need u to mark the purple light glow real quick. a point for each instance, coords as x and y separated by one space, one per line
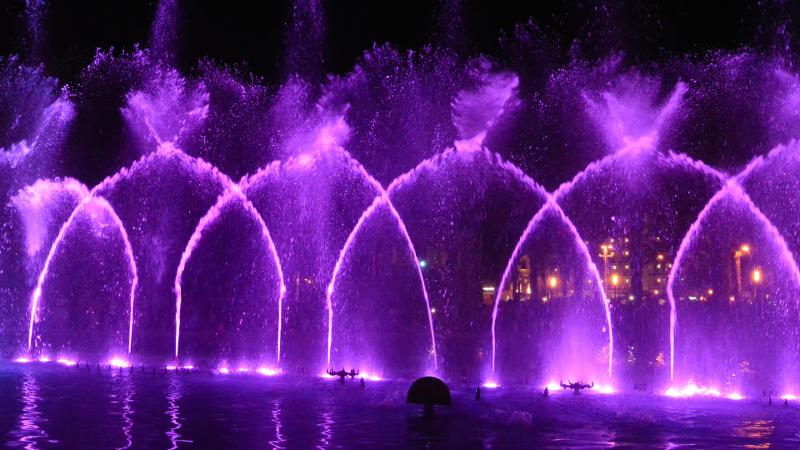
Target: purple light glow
119 363
268 371
234 193
465 192
551 205
734 191
693 390
37 292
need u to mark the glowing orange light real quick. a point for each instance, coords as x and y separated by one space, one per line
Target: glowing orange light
745 248
552 281
757 276
615 279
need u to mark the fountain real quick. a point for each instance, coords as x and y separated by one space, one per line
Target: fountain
66 318
425 213
750 256
194 238
244 308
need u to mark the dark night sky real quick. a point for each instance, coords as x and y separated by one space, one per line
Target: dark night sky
237 31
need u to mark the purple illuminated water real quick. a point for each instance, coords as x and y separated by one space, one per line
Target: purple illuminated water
578 317
242 303
771 310
510 219
65 317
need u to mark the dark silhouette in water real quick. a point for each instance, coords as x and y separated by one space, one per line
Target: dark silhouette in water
478 394
576 387
546 391
429 391
363 384
342 374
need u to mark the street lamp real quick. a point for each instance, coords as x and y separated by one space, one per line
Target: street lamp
743 250
607 252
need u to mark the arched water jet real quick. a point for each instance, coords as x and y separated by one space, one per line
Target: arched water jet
634 206
772 181
108 191
380 201
731 190
156 233
475 111
37 293
382 198
552 207
302 196
489 184
233 194
36 214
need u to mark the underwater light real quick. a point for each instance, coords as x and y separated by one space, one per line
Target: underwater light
268 372
119 362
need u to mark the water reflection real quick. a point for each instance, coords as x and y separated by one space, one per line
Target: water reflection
29 431
119 410
123 389
759 432
426 429
174 392
326 426
280 440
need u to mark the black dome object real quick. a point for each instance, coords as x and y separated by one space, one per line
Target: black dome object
429 391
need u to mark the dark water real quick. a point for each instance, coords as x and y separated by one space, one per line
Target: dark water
56 407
